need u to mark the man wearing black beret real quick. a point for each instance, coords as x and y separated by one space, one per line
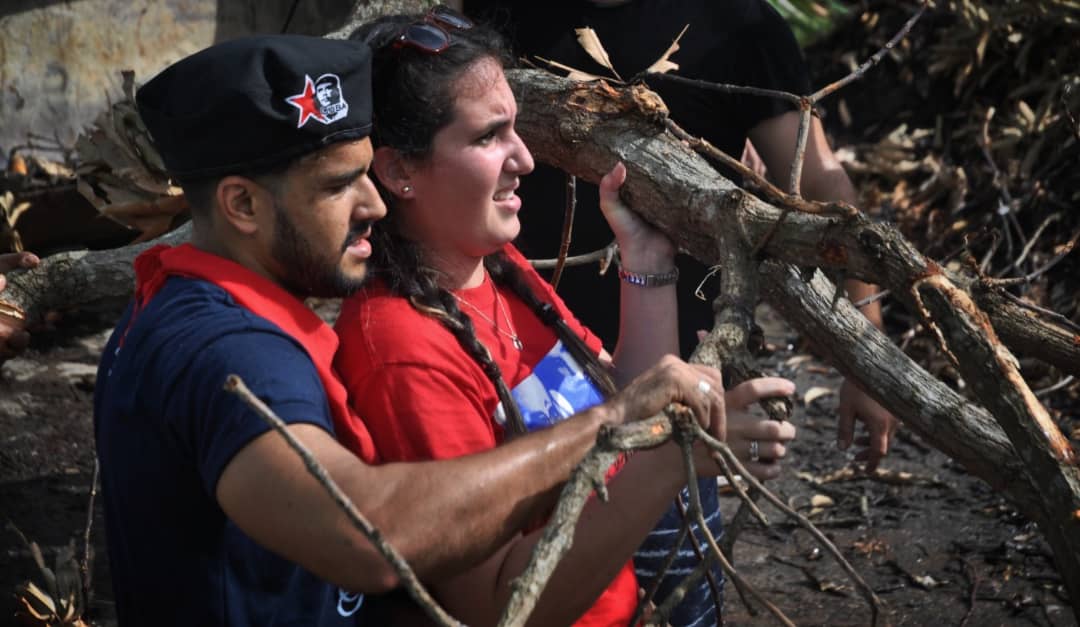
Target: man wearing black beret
212 519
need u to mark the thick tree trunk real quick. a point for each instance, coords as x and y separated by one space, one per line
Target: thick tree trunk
80 281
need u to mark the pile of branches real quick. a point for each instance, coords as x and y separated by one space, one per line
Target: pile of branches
968 139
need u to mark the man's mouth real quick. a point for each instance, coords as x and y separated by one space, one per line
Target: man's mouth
357 234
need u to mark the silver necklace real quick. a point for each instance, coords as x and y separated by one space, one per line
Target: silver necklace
512 333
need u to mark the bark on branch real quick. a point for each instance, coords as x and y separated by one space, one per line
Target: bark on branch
584 128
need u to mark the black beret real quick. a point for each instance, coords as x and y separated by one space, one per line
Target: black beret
258 102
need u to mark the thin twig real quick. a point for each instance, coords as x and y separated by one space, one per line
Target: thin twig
732 530
804 103
1065 92
1068 248
872 61
772 193
974 577
678 593
568 227
1047 391
604 256
795 176
84 566
724 87
986 145
1052 316
1030 244
714 587
928 322
873 298
235 385
289 17
875 603
688 427
991 250
749 500
558 535
639 612
807 103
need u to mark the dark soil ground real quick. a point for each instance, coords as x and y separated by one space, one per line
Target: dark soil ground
938 547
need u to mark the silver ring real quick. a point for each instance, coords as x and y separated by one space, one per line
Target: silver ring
754 451
704 386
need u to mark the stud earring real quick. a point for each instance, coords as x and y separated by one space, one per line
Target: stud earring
405 189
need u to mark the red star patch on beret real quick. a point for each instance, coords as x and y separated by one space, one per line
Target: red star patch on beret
305 102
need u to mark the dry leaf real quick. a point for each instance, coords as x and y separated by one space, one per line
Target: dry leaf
122 175
663 65
821 500
17 165
815 393
589 40
152 218
926 581
868 547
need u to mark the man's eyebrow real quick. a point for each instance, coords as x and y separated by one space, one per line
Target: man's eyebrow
343 178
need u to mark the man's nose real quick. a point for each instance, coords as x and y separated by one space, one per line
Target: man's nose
370 206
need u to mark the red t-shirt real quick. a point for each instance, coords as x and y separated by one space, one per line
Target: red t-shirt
422 396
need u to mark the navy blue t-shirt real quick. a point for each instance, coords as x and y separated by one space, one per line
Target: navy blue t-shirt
165 431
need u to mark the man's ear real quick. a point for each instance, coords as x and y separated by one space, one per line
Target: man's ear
393 170
241 202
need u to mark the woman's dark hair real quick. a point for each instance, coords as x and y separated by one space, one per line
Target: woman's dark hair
413 99
411 88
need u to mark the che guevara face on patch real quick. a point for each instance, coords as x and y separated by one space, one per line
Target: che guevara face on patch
321 100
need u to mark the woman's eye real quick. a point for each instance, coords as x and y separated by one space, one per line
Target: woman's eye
486 137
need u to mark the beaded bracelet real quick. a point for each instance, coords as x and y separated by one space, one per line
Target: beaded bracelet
649 280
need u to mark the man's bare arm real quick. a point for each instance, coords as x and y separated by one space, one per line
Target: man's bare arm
443 517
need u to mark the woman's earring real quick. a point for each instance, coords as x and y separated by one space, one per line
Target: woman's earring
405 189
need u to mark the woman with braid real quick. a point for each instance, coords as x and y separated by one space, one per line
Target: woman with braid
458 345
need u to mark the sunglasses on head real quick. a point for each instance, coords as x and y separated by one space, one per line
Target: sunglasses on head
432 33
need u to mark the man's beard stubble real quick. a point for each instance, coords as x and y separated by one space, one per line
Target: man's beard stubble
306 272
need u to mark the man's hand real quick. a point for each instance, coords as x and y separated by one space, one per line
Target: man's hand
13 335
880 425
672 380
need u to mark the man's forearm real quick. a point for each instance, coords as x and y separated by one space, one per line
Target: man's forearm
448 515
605 537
